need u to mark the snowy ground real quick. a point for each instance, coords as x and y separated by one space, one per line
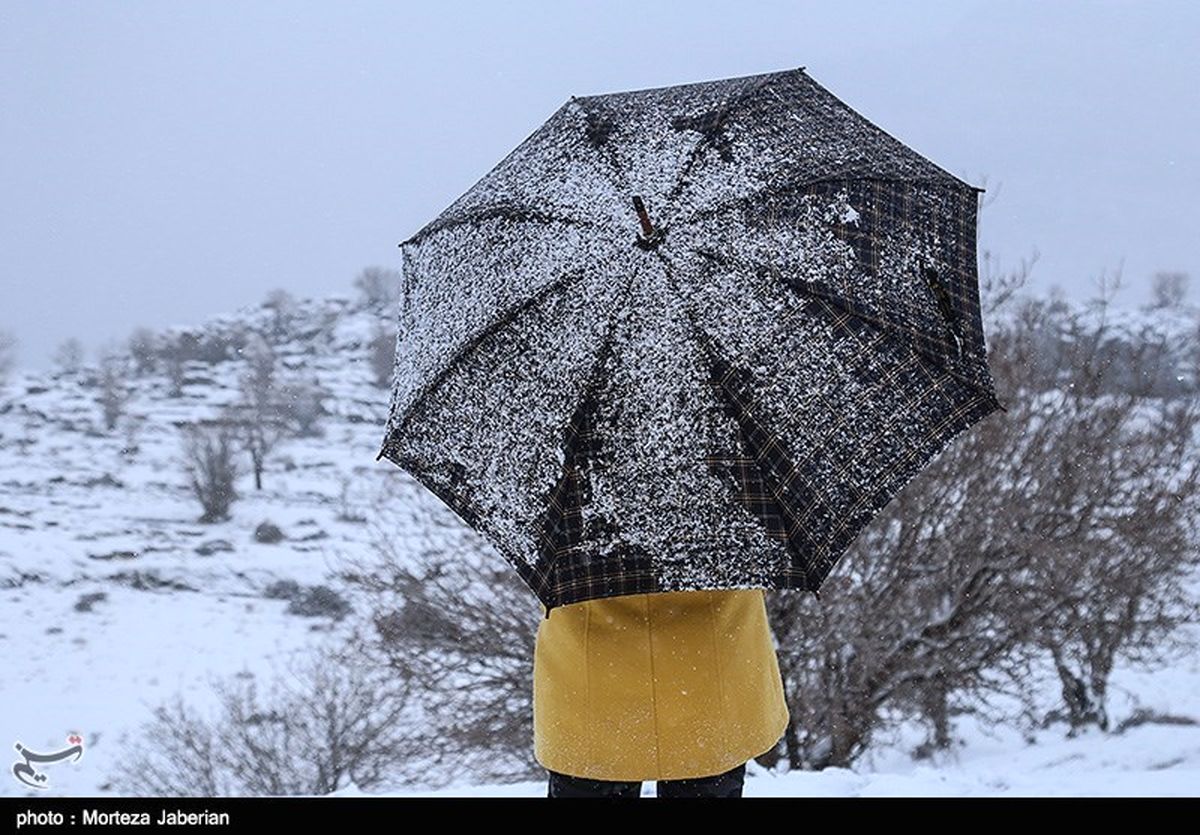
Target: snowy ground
80 515
1152 760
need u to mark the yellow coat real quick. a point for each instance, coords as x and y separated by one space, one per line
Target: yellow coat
656 686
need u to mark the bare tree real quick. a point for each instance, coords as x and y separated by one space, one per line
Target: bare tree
69 354
115 392
379 288
382 352
255 416
913 619
1168 288
176 371
267 408
144 348
8 354
212 472
282 305
999 286
258 433
302 403
1114 483
327 722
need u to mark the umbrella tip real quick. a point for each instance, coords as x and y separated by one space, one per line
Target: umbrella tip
650 237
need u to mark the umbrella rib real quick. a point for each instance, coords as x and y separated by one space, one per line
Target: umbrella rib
606 154
842 307
895 146
726 109
701 215
547 546
741 416
556 506
814 570
493 327
720 373
510 213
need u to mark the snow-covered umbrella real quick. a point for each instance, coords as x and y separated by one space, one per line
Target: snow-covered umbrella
689 337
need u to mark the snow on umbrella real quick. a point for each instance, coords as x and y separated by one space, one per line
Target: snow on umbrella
689 337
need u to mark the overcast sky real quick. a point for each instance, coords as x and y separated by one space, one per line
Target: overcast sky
165 161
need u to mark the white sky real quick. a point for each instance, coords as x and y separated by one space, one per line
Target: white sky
165 161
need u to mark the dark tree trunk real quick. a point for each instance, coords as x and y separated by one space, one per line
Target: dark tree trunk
1084 699
791 738
937 711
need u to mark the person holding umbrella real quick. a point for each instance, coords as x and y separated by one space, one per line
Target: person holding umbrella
680 347
681 688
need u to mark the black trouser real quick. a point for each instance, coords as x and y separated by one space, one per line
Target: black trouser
728 784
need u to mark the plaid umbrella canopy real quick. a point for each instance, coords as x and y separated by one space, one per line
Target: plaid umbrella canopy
689 337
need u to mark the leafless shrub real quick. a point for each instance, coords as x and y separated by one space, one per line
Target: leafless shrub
69 354
199 345
302 404
144 348
1113 475
282 305
1145 716
382 352
131 429
212 472
1168 288
257 434
449 616
1059 530
913 618
267 409
173 366
115 392
258 377
327 722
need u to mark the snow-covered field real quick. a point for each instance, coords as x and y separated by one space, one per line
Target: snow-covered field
1158 761
1150 760
83 514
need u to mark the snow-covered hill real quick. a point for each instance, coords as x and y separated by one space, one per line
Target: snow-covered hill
115 597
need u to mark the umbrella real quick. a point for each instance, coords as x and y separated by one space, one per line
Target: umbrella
689 337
